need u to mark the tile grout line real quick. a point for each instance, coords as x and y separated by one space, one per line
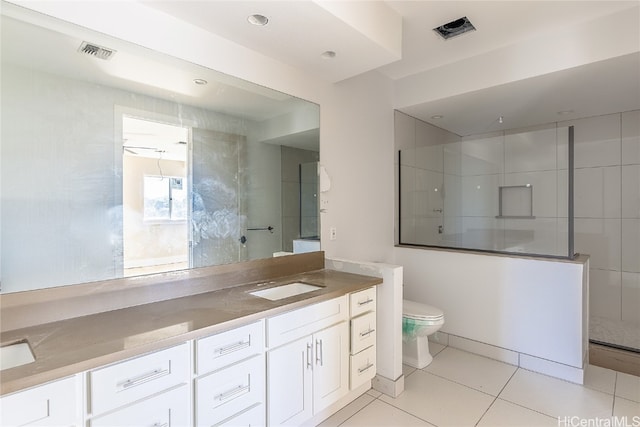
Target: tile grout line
496 397
352 415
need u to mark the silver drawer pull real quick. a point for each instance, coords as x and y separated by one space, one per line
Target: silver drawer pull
160 425
366 368
145 378
233 347
369 332
368 301
228 394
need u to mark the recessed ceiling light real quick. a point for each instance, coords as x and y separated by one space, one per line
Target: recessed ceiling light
200 82
437 116
257 19
329 54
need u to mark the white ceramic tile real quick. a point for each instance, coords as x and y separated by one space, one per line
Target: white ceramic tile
597 192
453 195
626 411
431 185
478 372
531 151
631 137
452 153
597 141
486 350
601 379
407 370
631 301
600 238
430 157
374 393
482 156
631 191
348 411
631 245
378 413
482 233
440 401
507 414
545 189
480 195
426 232
562 132
605 293
555 397
435 348
628 386
534 236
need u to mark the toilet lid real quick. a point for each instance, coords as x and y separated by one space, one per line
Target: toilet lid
417 310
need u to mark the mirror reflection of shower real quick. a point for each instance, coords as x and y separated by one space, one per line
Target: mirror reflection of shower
155 196
309 209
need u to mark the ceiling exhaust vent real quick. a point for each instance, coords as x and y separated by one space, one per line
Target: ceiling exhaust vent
96 51
455 28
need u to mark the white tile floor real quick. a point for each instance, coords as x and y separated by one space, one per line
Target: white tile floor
464 389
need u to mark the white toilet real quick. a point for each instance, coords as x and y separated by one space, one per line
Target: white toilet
418 322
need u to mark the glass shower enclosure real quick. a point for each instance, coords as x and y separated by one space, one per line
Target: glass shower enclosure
506 192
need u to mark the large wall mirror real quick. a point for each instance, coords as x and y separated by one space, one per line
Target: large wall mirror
118 161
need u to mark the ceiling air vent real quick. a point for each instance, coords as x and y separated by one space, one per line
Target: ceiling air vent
455 28
96 51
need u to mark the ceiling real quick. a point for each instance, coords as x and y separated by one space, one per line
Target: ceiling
395 38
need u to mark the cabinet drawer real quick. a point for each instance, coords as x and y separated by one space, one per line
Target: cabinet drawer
253 416
362 301
133 379
52 404
225 348
363 332
363 367
168 409
229 391
304 321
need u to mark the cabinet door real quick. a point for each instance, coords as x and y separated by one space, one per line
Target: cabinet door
331 365
290 373
53 404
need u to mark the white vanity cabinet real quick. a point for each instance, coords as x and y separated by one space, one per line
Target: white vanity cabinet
57 403
362 309
307 361
230 387
152 389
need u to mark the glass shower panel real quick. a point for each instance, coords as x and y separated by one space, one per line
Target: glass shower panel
502 192
309 213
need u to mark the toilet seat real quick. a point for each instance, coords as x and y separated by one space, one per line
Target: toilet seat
418 311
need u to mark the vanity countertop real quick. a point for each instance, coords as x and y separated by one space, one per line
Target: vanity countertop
70 346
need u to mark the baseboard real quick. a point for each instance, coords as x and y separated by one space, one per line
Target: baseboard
392 388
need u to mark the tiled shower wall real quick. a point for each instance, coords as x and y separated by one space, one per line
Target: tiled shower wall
607 222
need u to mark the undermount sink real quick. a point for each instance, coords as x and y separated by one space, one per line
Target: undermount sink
16 354
285 291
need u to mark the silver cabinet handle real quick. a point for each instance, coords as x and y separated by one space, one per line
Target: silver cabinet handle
366 368
157 373
233 347
160 425
309 351
234 391
319 353
369 332
367 301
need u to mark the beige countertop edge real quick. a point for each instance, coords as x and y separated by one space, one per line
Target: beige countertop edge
89 353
